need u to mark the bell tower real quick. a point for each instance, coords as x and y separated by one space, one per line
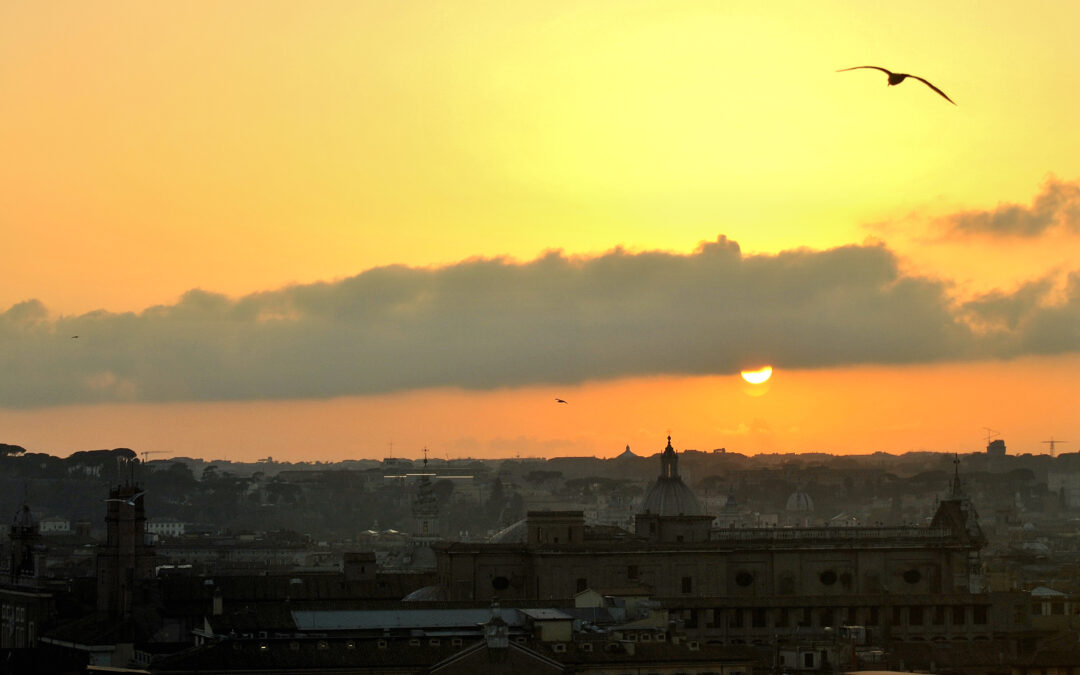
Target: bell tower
126 559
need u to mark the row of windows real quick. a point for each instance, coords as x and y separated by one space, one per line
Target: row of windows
758 617
827 578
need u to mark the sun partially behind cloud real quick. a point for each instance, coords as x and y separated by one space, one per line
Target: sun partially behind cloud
758 375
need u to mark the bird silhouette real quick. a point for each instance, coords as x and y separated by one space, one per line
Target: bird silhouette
130 501
559 400
74 337
897 78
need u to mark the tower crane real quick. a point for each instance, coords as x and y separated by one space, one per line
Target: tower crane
1053 443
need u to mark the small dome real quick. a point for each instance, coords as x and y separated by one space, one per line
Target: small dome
669 496
23 518
800 501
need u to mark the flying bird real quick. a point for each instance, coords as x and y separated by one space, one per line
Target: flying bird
74 337
130 501
559 400
897 78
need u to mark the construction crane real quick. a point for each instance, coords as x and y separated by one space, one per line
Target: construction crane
1053 443
146 454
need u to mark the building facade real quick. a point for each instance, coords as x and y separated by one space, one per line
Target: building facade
748 585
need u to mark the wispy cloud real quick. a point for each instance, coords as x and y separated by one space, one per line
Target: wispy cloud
1056 207
489 323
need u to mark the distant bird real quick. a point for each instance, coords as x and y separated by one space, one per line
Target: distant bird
897 78
559 400
130 501
74 337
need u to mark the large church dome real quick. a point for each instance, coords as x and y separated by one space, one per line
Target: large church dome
669 496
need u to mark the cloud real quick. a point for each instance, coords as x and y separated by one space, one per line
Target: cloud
1057 206
489 323
1035 319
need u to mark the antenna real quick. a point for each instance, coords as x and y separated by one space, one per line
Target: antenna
990 433
1052 443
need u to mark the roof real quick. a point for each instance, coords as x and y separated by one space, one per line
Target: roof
319 620
1044 592
515 533
514 658
546 614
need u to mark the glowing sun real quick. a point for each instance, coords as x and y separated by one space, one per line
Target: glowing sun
757 376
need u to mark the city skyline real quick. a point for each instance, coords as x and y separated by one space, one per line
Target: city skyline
314 232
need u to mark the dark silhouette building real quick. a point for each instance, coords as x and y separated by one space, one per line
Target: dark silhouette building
125 562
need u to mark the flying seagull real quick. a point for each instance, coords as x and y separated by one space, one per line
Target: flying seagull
559 400
897 78
130 501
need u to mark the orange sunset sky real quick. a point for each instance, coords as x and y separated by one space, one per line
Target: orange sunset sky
330 230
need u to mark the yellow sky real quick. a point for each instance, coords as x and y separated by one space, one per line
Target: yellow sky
151 148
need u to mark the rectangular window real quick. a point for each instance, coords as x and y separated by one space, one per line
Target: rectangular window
804 617
692 619
978 615
915 616
757 618
826 617
710 618
808 660
874 618
896 616
959 616
687 585
939 616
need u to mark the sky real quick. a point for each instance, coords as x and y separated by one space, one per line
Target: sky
334 230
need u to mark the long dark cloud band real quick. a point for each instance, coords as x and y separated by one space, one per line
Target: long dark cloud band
492 323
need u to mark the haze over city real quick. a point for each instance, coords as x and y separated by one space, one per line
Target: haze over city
354 230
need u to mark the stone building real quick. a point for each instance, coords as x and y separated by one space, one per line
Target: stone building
748 585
